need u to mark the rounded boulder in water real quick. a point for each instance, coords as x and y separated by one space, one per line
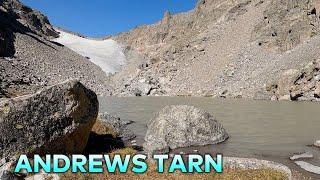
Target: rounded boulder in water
182 126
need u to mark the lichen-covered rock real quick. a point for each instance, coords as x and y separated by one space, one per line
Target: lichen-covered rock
182 126
55 120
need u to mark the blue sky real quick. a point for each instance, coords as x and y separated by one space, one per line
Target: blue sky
106 17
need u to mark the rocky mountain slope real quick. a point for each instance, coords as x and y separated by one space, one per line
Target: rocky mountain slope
234 48
30 60
221 48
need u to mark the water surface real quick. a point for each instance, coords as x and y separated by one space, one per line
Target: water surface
263 129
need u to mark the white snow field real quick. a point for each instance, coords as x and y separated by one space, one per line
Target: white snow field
107 54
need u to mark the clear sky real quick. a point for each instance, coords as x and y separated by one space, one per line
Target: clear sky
106 17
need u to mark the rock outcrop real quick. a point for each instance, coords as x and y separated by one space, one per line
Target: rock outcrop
182 126
57 119
287 80
16 17
302 84
21 18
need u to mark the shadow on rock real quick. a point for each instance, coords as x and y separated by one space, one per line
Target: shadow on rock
6 42
102 143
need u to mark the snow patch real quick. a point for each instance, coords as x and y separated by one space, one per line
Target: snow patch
302 156
107 54
308 167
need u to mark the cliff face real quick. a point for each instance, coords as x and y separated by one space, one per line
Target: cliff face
175 31
282 26
16 17
287 24
220 48
21 18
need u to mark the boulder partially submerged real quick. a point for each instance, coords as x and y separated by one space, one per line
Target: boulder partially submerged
117 125
182 126
57 119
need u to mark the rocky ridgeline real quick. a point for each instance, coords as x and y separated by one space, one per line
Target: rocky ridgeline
220 48
16 17
164 44
22 18
29 60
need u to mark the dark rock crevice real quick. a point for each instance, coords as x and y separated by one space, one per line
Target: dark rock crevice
6 42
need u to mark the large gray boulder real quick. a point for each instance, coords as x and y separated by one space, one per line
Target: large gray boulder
182 126
55 120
